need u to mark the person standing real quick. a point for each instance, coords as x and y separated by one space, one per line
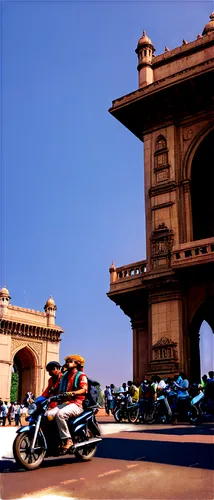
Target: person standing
182 385
3 411
17 411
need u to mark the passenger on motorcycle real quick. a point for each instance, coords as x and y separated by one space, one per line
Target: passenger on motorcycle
73 405
54 370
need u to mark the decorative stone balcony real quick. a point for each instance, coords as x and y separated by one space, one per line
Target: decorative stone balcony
193 253
127 277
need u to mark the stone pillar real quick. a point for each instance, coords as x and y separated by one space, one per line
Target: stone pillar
140 351
5 367
188 210
167 324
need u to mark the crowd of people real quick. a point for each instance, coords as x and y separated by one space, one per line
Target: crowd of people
12 412
149 390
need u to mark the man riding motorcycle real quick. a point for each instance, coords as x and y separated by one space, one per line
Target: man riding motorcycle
73 405
54 370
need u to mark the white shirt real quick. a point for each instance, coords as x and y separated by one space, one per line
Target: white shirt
161 384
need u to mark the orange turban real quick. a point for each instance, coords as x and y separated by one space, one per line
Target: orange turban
77 358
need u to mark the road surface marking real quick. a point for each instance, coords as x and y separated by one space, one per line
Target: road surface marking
109 472
69 481
132 465
39 492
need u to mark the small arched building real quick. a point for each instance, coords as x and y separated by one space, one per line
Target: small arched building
29 339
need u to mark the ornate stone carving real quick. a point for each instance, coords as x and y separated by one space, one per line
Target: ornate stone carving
187 134
162 242
161 166
164 356
35 347
163 341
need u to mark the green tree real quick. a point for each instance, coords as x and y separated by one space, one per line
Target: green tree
100 396
14 387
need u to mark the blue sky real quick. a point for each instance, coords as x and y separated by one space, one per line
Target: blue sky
72 176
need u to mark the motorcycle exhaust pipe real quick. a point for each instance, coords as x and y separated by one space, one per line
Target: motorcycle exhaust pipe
86 443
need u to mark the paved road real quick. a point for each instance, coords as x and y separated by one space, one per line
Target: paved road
149 462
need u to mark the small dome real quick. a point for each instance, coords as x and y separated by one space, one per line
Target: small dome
4 292
144 39
209 28
50 304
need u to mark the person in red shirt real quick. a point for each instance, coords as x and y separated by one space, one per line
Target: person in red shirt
54 370
75 396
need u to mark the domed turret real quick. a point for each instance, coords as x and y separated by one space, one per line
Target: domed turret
209 28
50 308
4 292
145 52
4 300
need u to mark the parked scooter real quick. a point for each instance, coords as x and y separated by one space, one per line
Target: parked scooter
40 438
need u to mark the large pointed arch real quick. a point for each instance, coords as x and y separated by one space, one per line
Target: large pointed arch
203 313
25 363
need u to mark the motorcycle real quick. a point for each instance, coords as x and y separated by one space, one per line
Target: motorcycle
200 408
40 438
157 411
123 410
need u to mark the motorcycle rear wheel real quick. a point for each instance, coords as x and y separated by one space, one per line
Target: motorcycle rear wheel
133 415
85 454
22 454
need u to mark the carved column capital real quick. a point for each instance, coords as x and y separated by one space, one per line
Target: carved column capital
186 183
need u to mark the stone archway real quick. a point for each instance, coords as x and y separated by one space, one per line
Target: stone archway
204 313
25 365
202 189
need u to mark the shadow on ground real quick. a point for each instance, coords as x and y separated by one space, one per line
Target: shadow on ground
202 430
198 455
183 454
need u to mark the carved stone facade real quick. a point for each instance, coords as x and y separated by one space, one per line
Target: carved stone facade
172 113
29 339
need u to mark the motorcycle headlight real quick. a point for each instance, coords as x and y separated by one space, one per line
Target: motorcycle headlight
31 408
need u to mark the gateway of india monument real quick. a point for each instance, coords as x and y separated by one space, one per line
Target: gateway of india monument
28 341
169 295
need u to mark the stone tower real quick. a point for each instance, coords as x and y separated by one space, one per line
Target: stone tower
169 294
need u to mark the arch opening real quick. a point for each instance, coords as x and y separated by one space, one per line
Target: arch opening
202 341
24 364
202 189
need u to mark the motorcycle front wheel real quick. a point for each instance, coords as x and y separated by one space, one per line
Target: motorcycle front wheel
133 415
149 416
117 416
85 454
22 453
193 415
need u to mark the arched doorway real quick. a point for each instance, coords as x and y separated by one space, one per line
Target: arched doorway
203 322
24 365
202 189
206 348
